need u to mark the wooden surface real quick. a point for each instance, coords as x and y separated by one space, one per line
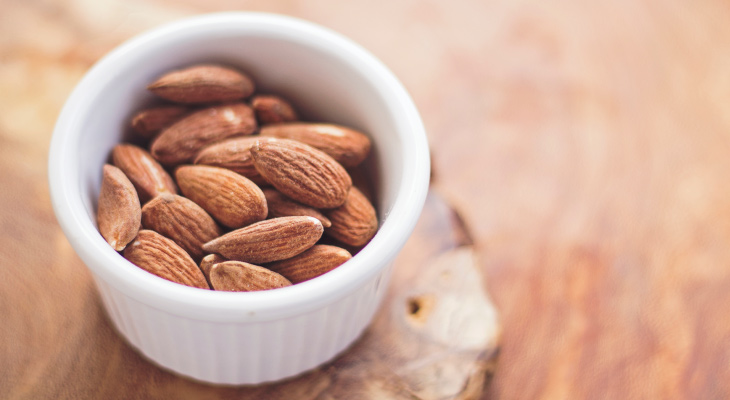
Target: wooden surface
585 144
436 336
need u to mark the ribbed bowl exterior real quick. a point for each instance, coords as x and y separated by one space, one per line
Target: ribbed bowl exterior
244 352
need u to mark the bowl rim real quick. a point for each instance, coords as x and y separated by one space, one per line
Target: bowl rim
107 264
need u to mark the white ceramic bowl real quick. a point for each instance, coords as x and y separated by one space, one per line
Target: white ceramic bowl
242 338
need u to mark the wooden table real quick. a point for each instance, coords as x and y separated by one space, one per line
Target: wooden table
584 144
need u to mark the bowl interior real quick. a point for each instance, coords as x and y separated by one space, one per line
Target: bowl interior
327 78
320 85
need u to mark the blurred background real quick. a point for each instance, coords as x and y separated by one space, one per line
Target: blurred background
585 145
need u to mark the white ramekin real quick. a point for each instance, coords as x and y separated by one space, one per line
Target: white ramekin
242 338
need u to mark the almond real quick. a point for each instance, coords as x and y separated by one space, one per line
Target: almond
208 262
348 146
180 142
302 172
272 109
160 256
181 220
329 240
146 174
314 262
282 206
202 84
118 213
266 241
150 121
355 222
232 199
237 276
362 180
233 154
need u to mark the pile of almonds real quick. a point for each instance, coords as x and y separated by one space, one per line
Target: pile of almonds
258 187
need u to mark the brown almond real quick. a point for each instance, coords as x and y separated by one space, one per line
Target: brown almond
160 256
302 172
237 276
329 240
233 154
146 174
152 120
203 84
355 222
319 259
272 109
282 206
181 220
266 241
180 142
208 262
362 180
232 199
118 213
348 146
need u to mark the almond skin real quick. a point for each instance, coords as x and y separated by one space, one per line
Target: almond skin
146 174
237 276
361 179
232 199
118 214
233 154
181 220
312 263
329 240
282 206
266 241
160 256
180 142
208 262
355 222
203 84
150 121
302 172
348 146
272 109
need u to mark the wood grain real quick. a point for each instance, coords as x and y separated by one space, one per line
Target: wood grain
601 211
584 143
